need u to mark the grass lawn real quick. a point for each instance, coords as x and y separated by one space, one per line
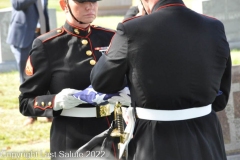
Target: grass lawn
13 136
235 55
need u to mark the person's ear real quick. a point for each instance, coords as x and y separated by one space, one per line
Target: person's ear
63 4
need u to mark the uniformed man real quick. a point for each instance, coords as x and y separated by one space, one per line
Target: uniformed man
175 61
63 58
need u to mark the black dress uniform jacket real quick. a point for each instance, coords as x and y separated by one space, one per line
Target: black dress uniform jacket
63 58
173 59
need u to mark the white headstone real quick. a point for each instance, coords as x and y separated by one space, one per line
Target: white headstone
7 60
228 12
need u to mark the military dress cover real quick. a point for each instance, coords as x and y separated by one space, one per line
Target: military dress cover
173 58
63 58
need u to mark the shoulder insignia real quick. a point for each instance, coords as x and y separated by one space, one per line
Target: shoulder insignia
29 67
51 34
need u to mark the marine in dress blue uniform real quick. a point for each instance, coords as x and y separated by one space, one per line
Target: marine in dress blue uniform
175 60
63 58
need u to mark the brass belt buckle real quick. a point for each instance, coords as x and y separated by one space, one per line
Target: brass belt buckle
103 110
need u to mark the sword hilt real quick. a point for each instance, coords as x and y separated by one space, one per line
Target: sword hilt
119 129
119 119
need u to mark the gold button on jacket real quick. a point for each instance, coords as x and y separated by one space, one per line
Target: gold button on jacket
92 62
89 53
84 42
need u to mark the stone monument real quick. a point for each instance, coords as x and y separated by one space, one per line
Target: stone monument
7 60
230 118
228 12
5 52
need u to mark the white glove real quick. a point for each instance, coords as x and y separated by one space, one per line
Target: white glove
124 97
65 100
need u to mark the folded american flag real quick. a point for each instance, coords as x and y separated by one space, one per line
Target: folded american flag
89 95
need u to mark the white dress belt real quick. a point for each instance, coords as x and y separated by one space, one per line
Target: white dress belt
158 115
86 112
173 115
